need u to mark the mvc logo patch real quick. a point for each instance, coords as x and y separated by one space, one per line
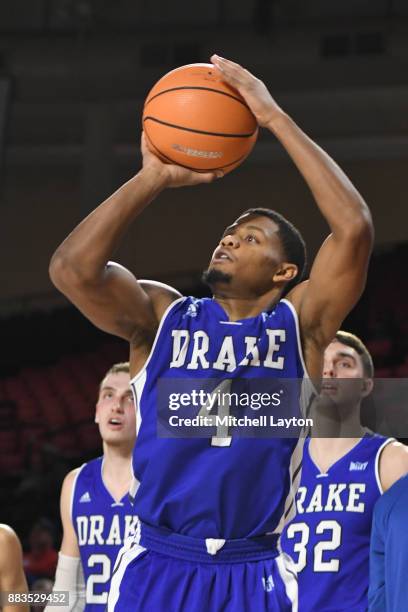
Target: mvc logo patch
357 466
268 583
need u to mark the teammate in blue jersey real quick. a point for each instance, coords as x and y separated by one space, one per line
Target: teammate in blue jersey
388 589
211 509
96 512
342 478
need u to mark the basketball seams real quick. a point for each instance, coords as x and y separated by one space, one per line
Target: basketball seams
195 131
224 93
171 161
199 121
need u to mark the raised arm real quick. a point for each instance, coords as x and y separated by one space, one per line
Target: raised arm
339 271
107 293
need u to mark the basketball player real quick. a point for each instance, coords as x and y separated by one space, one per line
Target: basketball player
12 578
96 513
342 478
389 551
206 505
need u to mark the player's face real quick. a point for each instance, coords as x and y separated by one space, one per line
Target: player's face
343 374
115 410
249 253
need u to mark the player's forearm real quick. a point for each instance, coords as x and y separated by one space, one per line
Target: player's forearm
338 200
85 252
69 577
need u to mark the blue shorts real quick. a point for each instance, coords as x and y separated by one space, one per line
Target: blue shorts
161 571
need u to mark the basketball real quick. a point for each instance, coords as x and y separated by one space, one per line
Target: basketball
193 119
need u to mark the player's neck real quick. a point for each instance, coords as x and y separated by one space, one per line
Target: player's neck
333 421
242 307
117 470
326 451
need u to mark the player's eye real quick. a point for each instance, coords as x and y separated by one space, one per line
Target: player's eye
345 364
251 238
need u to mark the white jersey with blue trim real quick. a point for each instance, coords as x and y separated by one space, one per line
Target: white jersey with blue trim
199 487
329 539
101 525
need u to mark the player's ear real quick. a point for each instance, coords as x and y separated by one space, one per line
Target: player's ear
368 385
286 272
96 414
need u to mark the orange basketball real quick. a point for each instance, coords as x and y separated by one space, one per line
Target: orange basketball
194 119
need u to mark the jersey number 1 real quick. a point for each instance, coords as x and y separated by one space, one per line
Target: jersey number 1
220 392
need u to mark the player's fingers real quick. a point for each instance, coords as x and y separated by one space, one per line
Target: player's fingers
233 73
231 68
143 144
226 63
209 177
227 76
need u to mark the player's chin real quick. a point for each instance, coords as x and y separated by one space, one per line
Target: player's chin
114 437
218 274
328 393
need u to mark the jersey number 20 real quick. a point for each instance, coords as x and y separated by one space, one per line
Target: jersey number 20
101 578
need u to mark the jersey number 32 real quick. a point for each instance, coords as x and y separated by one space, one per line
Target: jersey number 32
330 528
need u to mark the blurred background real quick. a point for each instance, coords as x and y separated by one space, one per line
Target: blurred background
73 77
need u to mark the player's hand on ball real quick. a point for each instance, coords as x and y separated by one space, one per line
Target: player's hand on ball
172 174
253 90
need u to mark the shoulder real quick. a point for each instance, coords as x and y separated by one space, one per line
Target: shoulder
311 338
393 463
188 308
10 546
67 492
285 307
69 481
7 536
296 295
160 294
155 288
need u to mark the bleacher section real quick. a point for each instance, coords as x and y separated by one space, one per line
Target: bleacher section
52 407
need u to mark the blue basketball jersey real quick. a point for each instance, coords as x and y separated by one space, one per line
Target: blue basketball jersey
196 487
101 526
329 539
389 551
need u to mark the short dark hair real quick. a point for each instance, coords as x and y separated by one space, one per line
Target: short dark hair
358 345
293 245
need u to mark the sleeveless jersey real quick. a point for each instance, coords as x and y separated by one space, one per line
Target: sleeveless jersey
329 539
101 526
192 486
389 551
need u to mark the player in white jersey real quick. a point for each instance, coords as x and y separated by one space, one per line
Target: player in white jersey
96 513
342 478
12 578
234 335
